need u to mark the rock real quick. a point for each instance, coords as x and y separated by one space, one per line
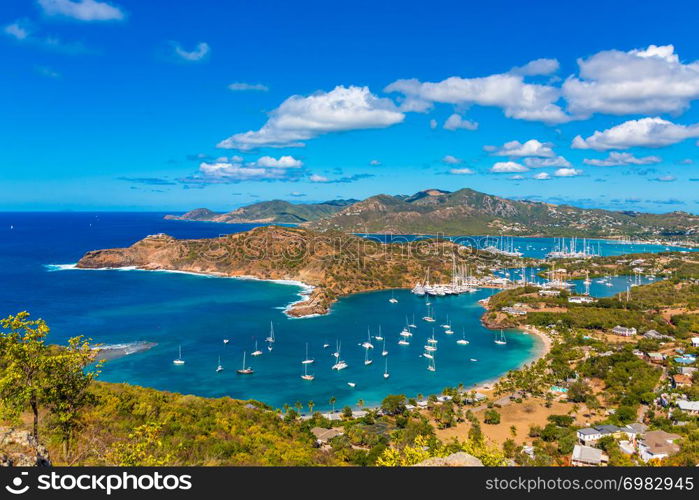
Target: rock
18 448
459 459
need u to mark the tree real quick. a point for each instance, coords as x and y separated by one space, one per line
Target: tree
491 417
24 379
393 404
141 449
69 391
310 404
332 401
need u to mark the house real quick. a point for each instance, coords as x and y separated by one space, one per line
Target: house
638 428
687 370
657 445
514 311
627 447
623 331
324 435
656 335
680 380
581 299
695 341
656 357
586 456
549 293
691 407
588 435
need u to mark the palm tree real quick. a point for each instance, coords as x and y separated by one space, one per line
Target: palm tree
299 406
360 404
311 404
332 403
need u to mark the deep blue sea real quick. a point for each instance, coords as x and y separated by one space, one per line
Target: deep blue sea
197 312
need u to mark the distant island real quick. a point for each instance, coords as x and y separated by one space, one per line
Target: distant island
462 212
335 264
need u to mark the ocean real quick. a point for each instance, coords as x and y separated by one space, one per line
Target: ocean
197 313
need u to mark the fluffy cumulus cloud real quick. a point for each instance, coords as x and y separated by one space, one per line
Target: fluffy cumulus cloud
300 118
646 132
532 147
455 122
235 169
508 91
82 10
19 30
567 172
199 52
508 167
556 161
542 176
242 87
340 180
615 159
651 80
536 67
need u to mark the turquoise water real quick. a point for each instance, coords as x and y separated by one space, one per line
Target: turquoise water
196 312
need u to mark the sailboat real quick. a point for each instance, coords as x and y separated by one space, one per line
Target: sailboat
385 370
336 354
432 340
431 366
305 375
427 355
462 340
270 340
368 344
411 325
393 300
384 352
245 370
219 368
179 360
447 325
339 365
428 317
225 341
307 360
501 340
379 337
367 359
256 352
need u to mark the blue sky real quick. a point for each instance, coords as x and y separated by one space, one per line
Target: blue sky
164 105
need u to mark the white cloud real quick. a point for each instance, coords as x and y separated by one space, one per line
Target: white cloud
518 99
82 10
374 163
665 178
300 118
508 167
461 171
615 159
556 161
18 30
530 148
200 51
542 176
516 177
318 178
455 122
282 162
651 80
433 124
242 86
646 132
536 67
567 172
451 160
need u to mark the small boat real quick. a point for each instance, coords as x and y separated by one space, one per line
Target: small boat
385 370
307 360
393 300
403 342
245 370
325 346
219 368
431 366
462 340
351 384
432 340
339 364
427 355
179 360
367 359
449 331
447 325
379 337
474 359
412 325
430 348
384 352
225 341
501 340
256 352
368 344
305 375
271 339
